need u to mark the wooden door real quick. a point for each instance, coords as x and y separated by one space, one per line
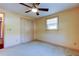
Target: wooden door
1 30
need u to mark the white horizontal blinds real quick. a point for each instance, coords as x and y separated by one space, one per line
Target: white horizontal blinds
52 23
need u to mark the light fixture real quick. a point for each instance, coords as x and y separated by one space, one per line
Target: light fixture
34 10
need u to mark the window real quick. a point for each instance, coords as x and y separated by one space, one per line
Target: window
52 24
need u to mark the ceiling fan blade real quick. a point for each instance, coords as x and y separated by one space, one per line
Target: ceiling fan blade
43 9
34 5
37 3
27 11
37 13
25 5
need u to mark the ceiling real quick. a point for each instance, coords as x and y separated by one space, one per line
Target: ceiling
53 8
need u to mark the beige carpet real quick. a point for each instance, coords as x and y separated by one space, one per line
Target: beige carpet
34 48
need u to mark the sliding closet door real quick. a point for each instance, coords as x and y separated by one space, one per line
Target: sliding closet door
26 30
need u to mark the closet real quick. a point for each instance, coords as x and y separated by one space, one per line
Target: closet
26 30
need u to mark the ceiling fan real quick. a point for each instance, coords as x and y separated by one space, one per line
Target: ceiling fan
34 8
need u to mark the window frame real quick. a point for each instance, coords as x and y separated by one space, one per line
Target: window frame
57 24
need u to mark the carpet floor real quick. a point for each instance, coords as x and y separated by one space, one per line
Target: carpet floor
33 49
